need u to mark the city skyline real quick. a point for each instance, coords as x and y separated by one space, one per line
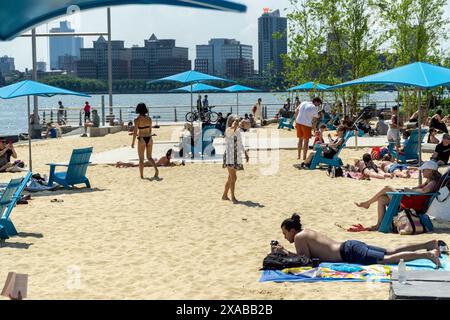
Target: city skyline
189 27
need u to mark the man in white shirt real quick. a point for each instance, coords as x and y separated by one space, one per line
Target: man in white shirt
306 116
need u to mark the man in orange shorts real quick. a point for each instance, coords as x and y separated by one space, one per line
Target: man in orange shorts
306 116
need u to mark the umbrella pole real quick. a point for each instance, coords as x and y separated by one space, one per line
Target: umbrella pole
29 135
398 124
192 124
237 103
420 133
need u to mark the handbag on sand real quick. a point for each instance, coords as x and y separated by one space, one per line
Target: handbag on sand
408 222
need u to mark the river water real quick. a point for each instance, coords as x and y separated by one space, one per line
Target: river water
13 113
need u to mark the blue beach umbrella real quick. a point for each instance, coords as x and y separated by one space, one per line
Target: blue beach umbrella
190 77
29 88
310 86
19 16
418 75
237 88
197 88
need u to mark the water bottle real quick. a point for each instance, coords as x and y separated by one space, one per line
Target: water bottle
402 272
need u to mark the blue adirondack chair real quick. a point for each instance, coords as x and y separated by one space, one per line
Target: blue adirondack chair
76 170
286 123
411 149
8 200
394 206
336 161
330 124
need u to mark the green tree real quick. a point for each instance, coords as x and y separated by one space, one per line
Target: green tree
415 29
332 41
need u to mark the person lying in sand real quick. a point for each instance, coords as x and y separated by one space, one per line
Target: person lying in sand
397 169
316 245
368 168
162 162
430 172
371 170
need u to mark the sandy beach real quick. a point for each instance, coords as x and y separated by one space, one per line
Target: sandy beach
128 238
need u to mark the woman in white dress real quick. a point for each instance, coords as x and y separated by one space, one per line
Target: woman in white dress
232 158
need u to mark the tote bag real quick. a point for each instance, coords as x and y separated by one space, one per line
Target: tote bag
440 206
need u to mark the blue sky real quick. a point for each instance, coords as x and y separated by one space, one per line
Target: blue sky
135 23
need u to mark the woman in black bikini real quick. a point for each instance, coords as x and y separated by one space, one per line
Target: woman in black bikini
143 126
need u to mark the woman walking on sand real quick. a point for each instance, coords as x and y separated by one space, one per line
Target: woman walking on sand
143 132
232 159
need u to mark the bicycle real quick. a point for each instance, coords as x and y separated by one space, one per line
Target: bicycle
204 116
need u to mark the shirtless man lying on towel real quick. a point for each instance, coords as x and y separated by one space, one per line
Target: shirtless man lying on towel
315 245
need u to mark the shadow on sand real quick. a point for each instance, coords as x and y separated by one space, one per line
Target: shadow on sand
14 245
64 191
30 235
251 204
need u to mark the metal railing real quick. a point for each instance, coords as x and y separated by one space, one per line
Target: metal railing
124 114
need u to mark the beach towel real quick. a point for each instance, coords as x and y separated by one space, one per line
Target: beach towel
346 272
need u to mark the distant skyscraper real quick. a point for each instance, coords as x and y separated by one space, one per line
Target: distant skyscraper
158 58
6 65
225 57
41 66
93 62
64 46
270 45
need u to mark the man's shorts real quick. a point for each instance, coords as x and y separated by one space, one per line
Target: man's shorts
303 132
353 251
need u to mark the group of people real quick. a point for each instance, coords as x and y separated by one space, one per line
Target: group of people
202 104
316 245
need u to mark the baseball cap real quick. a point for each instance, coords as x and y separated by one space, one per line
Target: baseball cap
431 165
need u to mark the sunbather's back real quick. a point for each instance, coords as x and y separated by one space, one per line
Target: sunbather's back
320 246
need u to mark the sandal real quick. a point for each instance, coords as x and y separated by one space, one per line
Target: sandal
57 200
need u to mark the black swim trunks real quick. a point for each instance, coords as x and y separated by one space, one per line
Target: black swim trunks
353 251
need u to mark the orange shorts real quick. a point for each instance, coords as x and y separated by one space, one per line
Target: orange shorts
303 132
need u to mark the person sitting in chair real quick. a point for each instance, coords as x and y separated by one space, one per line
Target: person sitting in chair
329 149
437 123
6 152
432 137
313 244
442 151
430 172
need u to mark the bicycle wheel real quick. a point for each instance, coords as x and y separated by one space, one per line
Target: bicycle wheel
190 117
205 117
213 117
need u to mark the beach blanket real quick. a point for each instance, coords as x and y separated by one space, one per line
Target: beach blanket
346 272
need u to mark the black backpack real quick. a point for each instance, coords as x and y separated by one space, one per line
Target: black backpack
335 172
280 261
